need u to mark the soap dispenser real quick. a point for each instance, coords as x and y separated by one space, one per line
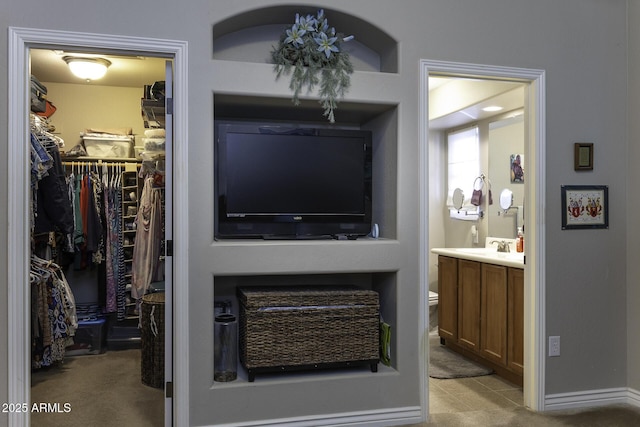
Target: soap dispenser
520 241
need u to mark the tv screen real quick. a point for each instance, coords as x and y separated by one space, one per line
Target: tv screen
291 182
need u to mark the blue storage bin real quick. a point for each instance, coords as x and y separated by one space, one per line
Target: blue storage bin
89 338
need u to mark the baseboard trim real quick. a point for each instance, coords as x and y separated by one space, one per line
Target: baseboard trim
634 397
592 398
378 418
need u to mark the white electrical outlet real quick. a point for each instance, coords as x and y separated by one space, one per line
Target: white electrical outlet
554 346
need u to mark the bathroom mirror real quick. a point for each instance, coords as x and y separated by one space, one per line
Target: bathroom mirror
458 198
506 199
506 139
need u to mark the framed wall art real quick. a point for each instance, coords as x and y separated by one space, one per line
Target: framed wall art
517 168
583 156
585 206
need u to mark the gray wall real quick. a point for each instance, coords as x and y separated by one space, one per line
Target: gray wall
589 299
633 227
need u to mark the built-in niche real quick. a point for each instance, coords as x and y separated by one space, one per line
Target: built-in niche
380 119
241 50
245 88
249 37
384 283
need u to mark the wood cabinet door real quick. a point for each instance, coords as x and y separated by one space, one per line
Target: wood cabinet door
515 351
493 323
448 298
469 304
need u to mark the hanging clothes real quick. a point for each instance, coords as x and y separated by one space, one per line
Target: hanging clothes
146 251
92 217
51 205
121 296
89 225
54 319
78 236
111 248
53 314
115 283
95 189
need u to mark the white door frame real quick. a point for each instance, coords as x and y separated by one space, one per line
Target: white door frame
20 41
534 310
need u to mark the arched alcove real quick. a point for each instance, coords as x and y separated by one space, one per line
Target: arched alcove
249 37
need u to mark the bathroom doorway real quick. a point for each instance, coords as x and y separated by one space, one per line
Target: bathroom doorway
532 82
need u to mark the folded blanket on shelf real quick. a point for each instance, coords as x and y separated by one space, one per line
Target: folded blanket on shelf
155 133
109 131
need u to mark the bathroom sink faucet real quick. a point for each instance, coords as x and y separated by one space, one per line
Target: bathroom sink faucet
503 246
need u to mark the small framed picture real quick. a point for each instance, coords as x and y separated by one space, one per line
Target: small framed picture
516 162
585 206
583 156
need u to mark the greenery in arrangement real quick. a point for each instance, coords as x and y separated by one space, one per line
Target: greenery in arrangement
311 52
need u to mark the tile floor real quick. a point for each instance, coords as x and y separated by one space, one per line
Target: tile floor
473 394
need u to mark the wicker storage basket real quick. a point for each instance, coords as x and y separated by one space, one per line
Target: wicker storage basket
294 328
152 335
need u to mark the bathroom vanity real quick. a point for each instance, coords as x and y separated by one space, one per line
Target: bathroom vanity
481 307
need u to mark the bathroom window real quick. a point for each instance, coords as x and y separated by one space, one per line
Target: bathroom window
463 161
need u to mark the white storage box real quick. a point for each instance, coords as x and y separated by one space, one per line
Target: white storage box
154 144
108 147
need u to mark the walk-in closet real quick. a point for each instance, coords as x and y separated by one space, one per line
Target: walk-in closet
98 238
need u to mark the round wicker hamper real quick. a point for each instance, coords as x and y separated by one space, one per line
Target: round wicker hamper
152 335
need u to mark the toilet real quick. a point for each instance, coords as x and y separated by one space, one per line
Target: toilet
433 310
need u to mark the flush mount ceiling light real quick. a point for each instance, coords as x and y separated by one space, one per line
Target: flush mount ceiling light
87 68
492 108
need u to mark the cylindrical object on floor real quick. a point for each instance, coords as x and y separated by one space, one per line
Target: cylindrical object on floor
152 335
225 355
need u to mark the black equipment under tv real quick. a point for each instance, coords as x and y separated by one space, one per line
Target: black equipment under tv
291 182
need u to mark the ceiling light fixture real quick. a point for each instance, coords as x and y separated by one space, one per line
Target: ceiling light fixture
87 68
492 108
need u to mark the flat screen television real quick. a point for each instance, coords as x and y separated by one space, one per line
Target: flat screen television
290 182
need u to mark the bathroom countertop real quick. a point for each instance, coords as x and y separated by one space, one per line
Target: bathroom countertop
486 255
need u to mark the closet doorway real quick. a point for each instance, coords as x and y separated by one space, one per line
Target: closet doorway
105 236
137 183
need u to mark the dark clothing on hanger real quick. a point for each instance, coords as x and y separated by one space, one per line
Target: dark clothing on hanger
54 208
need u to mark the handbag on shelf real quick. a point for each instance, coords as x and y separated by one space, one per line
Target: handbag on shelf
49 109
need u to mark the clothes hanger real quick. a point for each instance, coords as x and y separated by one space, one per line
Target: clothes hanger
105 175
119 177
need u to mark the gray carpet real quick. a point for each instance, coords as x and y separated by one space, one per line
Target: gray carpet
102 390
445 363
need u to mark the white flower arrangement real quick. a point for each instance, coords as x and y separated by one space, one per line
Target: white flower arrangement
311 52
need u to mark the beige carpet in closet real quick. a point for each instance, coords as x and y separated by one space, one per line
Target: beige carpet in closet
101 390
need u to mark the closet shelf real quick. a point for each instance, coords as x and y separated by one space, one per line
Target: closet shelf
98 159
153 112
